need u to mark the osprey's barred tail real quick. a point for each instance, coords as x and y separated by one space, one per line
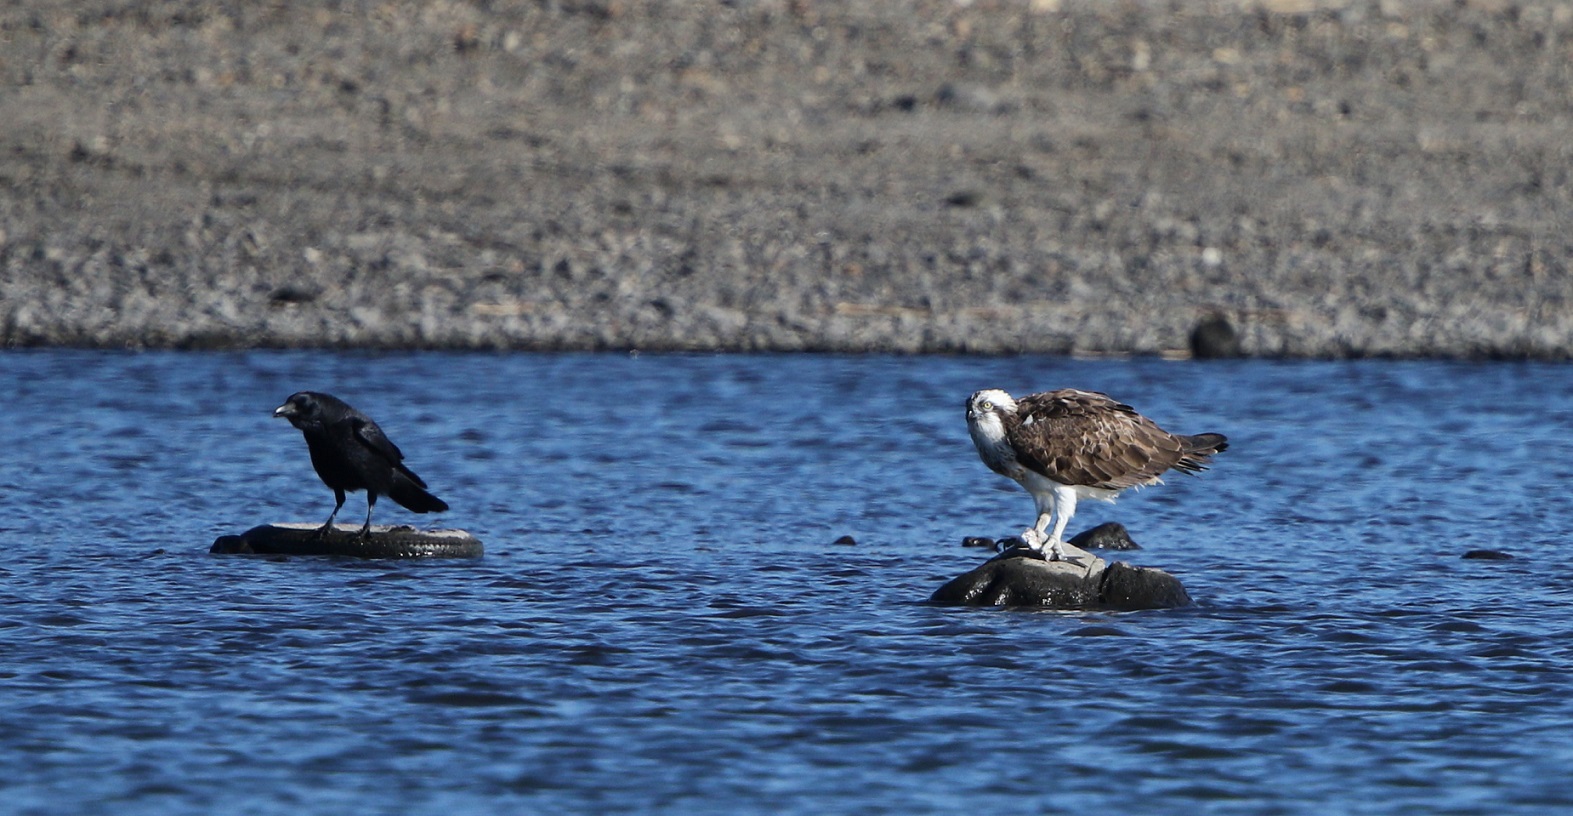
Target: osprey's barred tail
1206 444
1198 450
413 497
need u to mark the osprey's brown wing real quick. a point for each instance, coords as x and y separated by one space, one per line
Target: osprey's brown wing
1086 438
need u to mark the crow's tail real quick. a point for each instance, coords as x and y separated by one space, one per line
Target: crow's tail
412 495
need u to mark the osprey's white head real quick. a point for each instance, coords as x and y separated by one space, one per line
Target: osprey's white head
985 423
988 406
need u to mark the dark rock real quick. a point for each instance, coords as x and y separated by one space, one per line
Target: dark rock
384 542
1014 578
1126 587
1215 338
1107 536
846 541
1488 555
1021 577
977 541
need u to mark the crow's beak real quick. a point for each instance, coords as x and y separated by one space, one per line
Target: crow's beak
285 410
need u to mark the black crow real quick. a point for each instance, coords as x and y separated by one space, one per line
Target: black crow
351 453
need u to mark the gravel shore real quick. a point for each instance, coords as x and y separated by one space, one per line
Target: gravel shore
1322 178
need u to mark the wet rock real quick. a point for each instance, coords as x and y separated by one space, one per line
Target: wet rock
1128 588
846 541
384 542
1107 536
1021 577
1488 555
977 541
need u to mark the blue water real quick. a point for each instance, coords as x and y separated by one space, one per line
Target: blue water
663 622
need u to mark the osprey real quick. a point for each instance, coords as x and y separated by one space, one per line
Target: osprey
1067 445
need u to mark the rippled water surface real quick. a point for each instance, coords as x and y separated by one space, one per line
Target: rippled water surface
664 622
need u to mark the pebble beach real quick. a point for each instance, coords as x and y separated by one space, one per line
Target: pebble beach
1307 179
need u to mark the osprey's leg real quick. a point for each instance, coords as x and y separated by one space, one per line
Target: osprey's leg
1065 507
327 527
1057 508
1033 536
1051 506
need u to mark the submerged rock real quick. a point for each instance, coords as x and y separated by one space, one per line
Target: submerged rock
1127 588
384 542
1107 536
1021 577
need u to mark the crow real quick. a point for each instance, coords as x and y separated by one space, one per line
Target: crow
350 453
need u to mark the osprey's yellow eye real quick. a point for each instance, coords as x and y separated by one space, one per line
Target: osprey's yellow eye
986 405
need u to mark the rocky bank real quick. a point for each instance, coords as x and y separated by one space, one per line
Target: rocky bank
1329 178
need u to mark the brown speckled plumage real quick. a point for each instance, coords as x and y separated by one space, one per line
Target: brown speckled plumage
1089 439
1067 445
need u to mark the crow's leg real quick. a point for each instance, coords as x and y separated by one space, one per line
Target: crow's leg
327 527
371 501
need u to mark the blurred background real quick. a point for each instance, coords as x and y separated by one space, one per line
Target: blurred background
1301 178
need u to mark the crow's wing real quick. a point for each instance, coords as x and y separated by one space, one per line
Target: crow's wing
372 437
